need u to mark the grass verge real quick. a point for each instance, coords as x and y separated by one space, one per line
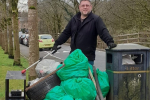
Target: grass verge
6 64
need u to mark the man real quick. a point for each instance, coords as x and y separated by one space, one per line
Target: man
83 29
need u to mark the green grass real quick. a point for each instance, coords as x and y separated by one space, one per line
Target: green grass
6 64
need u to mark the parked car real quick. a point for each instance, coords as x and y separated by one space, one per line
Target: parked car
21 38
20 33
45 41
26 40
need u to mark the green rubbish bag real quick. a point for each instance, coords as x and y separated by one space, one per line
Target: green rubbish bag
76 65
66 97
103 82
55 93
82 88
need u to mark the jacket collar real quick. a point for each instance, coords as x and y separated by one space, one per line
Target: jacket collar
86 20
78 16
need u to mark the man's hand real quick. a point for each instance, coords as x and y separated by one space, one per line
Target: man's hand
54 48
111 45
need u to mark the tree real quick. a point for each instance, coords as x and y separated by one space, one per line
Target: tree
127 15
9 23
15 31
52 16
55 14
2 23
5 30
33 40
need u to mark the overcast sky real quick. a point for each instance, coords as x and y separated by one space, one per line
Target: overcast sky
23 1
22 5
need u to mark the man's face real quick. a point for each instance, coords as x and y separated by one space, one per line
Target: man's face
85 8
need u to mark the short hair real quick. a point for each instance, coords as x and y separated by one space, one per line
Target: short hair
85 0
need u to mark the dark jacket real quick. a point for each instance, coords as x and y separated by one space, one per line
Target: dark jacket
84 35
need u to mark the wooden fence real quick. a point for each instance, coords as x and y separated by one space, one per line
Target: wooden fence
142 38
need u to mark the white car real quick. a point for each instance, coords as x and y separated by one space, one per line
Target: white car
26 40
20 33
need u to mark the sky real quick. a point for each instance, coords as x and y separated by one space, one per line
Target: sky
22 5
23 1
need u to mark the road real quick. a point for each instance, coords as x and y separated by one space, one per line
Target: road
64 52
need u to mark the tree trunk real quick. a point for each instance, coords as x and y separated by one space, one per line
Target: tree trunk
15 31
0 39
11 55
10 51
5 30
6 41
3 46
33 33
